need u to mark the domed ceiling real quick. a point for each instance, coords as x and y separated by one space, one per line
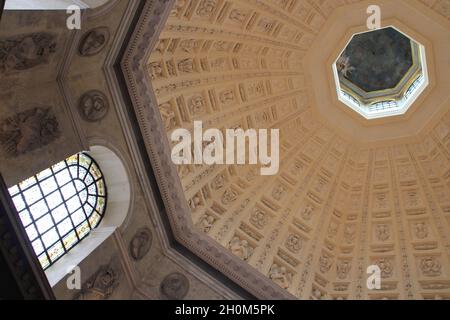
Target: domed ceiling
336 205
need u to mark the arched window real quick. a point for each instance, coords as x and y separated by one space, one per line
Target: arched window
60 206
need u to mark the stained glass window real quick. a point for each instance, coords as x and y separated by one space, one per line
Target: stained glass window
60 206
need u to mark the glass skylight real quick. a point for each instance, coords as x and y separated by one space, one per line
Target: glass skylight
380 73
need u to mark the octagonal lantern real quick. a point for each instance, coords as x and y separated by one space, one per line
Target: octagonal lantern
380 73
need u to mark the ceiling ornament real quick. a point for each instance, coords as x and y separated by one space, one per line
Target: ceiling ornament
93 41
93 106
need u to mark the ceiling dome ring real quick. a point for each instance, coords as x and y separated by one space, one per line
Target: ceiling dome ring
380 73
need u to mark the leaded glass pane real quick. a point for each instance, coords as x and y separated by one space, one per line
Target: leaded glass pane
60 213
94 219
70 240
92 200
65 226
82 174
44 261
48 185
44 223
50 237
32 195
13 190
56 251
73 204
63 177
95 172
92 189
54 199
73 171
38 209
73 160
59 206
31 232
100 204
78 217
89 179
83 196
84 162
25 218
58 166
101 188
44 174
68 191
27 183
18 202
83 229
38 247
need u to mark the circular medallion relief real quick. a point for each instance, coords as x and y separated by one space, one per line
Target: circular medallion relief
140 244
93 41
93 106
175 286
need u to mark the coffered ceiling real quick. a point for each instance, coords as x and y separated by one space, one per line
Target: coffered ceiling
350 192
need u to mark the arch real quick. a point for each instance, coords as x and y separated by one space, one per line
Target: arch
119 186
114 161
60 205
118 207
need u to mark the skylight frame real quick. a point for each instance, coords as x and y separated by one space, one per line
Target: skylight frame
402 105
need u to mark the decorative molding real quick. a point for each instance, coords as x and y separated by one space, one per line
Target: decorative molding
102 10
70 49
